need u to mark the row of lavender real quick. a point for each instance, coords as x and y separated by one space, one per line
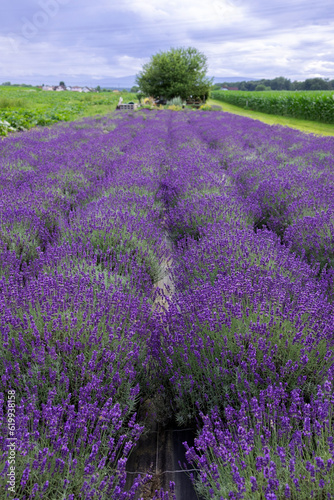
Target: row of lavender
248 342
80 249
245 348
286 180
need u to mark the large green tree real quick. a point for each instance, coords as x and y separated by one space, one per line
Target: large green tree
178 72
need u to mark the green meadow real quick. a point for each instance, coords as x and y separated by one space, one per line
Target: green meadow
22 108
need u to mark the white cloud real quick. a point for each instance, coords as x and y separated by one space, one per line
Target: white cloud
281 53
20 59
106 38
125 62
195 12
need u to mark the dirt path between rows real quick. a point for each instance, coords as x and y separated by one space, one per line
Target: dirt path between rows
161 449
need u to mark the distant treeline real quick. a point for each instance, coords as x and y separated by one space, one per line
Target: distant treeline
8 84
279 83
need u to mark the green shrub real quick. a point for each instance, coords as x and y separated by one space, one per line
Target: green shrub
5 127
206 107
176 101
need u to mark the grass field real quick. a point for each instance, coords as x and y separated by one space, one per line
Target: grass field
24 108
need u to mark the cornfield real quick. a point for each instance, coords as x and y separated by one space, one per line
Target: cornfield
308 105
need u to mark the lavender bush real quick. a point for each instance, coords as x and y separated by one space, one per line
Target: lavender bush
76 310
245 349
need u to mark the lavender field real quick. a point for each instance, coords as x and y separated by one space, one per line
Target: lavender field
243 347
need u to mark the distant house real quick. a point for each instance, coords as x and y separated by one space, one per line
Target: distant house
61 88
233 88
116 91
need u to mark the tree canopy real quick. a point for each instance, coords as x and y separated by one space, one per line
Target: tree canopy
178 72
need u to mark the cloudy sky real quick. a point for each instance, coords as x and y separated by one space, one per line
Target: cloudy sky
43 41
